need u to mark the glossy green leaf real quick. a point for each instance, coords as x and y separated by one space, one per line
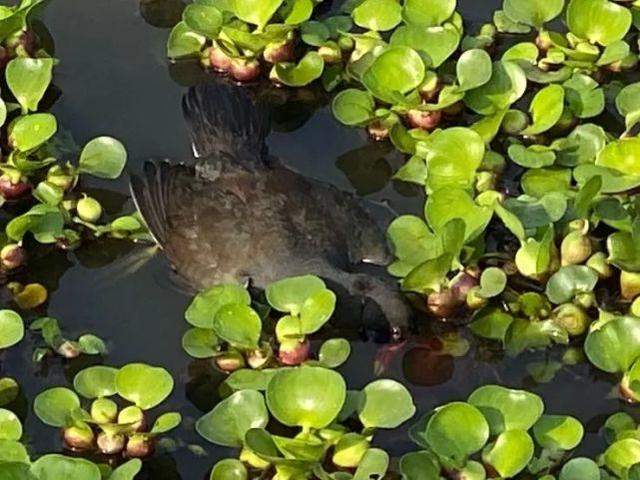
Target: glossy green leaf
428 13
558 432
256 12
239 325
507 409
203 19
474 69
510 453
622 455
449 203
55 467
10 426
184 42
103 157
621 155
308 69
534 13
144 385
55 406
334 352
200 342
615 345
28 80
580 469
570 280
230 419
436 43
507 84
546 109
11 328
306 396
229 469
204 307
378 15
397 70
29 132
353 107
95 382
599 21
457 430
377 396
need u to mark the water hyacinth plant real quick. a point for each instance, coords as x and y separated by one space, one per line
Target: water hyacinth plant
38 180
111 426
227 329
530 203
315 401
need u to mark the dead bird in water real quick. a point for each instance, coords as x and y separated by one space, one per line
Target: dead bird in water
238 216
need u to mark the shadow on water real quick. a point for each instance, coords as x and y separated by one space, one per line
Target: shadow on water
114 80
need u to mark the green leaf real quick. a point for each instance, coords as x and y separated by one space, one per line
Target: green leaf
570 280
491 323
507 409
447 204
233 417
422 465
622 455
437 43
377 396
428 276
546 109
334 352
29 132
204 307
229 469
55 467
558 432
11 328
428 13
144 385
55 406
303 73
507 84
453 156
309 397
10 426
28 80
256 12
353 107
374 464
474 69
96 382
289 294
200 342
599 21
239 325
397 70
580 469
542 181
103 157
203 19
615 345
510 453
127 471
628 104
534 13
378 15
492 282
184 42
583 95
621 155
455 431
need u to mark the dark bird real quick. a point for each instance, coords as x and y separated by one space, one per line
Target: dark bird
239 216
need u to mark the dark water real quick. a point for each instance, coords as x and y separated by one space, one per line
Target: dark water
115 80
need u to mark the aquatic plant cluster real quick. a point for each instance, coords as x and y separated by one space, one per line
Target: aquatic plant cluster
530 229
41 167
530 225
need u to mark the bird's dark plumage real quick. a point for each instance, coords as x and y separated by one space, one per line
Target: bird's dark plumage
236 215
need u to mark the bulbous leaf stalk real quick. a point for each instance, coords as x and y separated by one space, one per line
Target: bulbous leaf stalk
13 256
